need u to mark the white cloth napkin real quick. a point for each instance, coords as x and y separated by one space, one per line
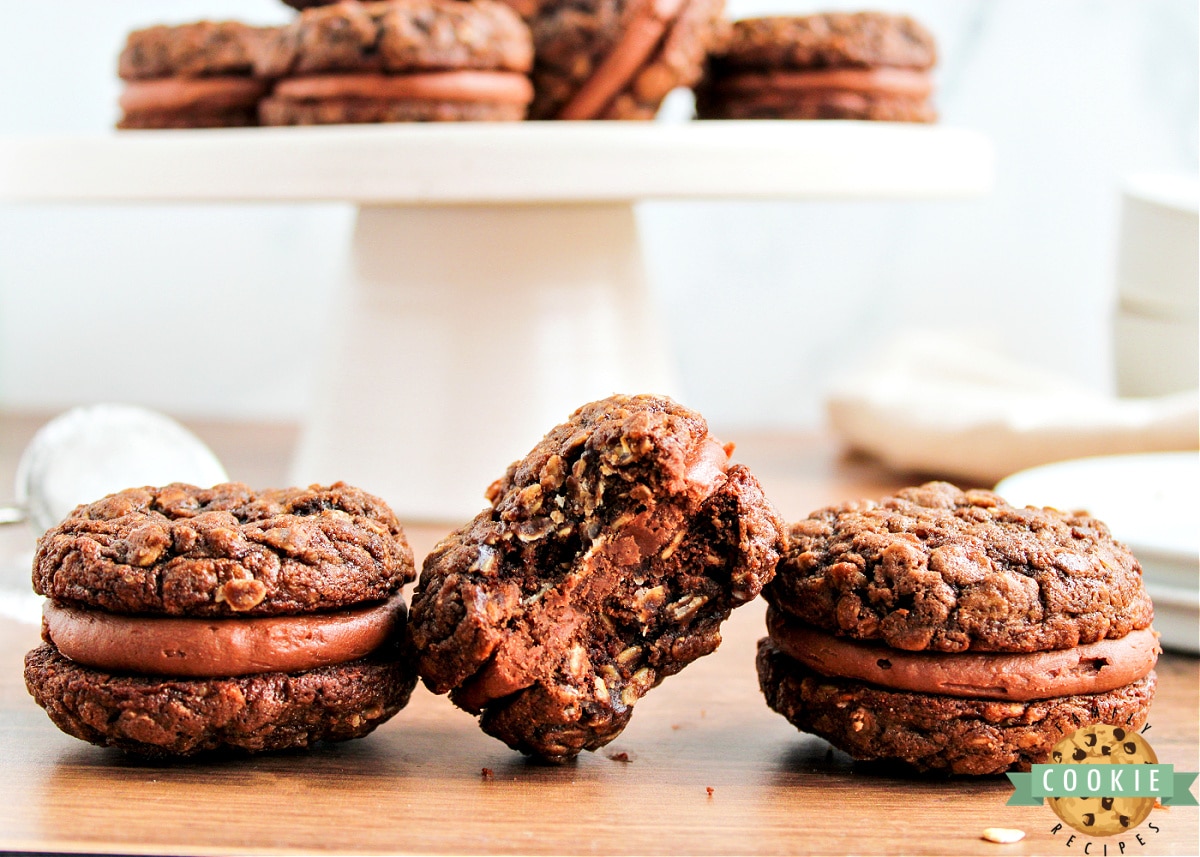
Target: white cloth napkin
949 408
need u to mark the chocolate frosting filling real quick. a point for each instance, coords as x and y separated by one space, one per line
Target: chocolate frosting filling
1093 668
177 93
486 86
211 648
907 83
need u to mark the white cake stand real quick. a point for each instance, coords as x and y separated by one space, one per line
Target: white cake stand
496 279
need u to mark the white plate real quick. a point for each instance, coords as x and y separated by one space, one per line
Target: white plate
1152 503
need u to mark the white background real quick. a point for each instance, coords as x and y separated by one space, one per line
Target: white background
216 310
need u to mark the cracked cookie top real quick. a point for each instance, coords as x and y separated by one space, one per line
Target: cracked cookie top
935 568
201 49
397 36
223 551
830 40
607 561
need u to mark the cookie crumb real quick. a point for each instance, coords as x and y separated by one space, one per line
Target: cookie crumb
620 757
487 773
710 790
1003 835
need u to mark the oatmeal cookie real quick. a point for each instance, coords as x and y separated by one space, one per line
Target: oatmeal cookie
607 561
837 65
948 630
182 620
399 60
196 75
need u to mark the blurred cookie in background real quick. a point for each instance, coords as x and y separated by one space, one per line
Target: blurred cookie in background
403 60
617 59
864 65
198 75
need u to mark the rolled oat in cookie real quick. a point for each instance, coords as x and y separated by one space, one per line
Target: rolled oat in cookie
607 561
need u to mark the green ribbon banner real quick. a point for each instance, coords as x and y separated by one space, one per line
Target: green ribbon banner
1157 781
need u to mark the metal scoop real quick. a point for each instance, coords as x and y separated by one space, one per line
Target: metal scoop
92 451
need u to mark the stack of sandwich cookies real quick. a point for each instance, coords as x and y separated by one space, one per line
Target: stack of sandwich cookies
617 59
400 60
183 620
192 76
608 560
867 65
950 631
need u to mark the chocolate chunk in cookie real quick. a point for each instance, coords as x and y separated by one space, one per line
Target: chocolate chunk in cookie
607 561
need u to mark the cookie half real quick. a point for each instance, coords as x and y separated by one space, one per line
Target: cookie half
183 620
866 65
608 560
949 630
399 60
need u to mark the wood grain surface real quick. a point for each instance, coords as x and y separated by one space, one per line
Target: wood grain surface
704 767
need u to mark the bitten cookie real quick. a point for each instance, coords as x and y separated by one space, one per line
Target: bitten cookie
608 560
399 60
181 620
866 65
191 76
949 630
617 59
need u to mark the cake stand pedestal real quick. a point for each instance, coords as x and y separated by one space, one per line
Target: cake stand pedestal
496 279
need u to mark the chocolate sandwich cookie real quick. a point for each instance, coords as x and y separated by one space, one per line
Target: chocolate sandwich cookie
949 630
191 76
866 65
181 620
399 60
608 560
616 59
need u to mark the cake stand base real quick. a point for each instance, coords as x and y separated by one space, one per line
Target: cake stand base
463 334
